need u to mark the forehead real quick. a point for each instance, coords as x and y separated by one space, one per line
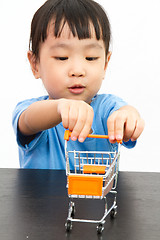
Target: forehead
66 36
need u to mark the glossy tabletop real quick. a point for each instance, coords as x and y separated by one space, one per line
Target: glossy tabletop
34 205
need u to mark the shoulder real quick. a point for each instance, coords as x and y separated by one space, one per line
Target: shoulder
100 98
107 102
22 106
28 102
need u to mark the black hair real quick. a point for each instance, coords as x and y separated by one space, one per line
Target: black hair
78 14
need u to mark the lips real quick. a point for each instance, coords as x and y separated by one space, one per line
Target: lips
76 89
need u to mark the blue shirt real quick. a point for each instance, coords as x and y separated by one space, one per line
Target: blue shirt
46 150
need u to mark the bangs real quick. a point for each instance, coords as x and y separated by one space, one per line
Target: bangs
82 16
80 23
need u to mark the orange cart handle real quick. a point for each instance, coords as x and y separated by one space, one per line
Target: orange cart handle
67 135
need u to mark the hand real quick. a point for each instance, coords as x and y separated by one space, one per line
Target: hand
77 116
125 124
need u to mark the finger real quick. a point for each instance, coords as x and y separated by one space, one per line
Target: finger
119 127
110 126
81 119
87 126
64 112
73 115
129 129
138 130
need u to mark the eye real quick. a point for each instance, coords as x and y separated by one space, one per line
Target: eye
61 58
91 58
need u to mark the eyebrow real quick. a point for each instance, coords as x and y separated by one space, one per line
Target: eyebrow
68 46
93 45
59 45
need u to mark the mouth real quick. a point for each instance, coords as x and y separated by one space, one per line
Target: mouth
77 89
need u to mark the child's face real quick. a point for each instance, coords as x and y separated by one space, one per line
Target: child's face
71 68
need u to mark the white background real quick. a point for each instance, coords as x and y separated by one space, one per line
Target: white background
133 72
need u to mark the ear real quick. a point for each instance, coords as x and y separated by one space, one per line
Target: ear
106 63
107 60
34 64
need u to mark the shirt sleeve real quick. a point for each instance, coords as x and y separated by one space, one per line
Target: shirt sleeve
24 142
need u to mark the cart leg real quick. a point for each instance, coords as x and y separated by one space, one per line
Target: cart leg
71 213
106 205
72 209
100 226
113 212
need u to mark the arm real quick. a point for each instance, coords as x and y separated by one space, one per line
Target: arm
74 114
39 116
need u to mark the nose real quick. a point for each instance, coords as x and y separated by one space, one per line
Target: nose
77 70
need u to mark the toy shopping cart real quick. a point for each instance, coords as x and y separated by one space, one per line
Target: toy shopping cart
93 177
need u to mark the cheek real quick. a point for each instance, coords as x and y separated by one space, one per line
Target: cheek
49 74
98 77
54 84
98 74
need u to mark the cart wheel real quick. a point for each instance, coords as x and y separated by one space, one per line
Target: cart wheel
68 226
100 228
113 213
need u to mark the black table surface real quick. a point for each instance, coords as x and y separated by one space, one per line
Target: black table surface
34 205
